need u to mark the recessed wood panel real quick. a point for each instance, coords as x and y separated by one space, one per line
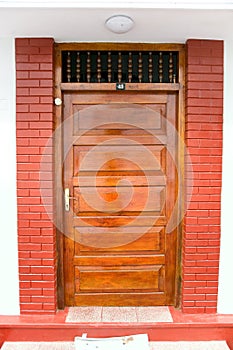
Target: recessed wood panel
102 220
119 158
125 240
112 200
124 117
120 279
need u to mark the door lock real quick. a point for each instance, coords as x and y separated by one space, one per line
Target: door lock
67 199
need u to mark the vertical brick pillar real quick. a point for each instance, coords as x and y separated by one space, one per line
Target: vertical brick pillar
36 233
204 109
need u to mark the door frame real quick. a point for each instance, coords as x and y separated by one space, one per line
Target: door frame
60 88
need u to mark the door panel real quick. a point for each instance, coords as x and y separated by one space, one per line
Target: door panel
151 118
112 200
119 165
117 280
149 242
118 158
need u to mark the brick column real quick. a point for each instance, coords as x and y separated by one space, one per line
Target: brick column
36 233
204 109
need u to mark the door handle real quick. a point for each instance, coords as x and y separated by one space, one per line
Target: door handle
67 199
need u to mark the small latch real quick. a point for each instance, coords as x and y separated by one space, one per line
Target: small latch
58 101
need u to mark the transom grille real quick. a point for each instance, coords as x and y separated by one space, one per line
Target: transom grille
120 66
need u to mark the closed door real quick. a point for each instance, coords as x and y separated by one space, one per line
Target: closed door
119 170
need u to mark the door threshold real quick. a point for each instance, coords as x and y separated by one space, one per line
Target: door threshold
118 314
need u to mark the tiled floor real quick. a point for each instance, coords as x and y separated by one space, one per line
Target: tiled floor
188 345
55 327
119 314
38 346
210 345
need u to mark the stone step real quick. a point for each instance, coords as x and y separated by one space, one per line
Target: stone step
157 345
122 314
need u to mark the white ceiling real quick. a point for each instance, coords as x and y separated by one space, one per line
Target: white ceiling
87 24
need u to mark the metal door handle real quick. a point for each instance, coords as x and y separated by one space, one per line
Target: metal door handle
67 199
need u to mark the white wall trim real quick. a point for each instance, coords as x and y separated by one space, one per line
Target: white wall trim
225 300
162 4
9 290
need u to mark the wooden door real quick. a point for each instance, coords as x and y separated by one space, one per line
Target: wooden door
119 151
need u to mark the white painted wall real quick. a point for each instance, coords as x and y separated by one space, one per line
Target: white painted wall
9 289
9 285
84 21
225 300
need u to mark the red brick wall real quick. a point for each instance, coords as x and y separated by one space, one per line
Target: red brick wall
204 108
36 234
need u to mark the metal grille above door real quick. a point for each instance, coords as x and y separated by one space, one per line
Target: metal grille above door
120 66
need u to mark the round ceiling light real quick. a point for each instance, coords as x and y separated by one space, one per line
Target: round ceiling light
119 24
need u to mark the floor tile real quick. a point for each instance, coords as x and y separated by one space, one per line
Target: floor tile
153 314
38 346
84 314
188 345
119 314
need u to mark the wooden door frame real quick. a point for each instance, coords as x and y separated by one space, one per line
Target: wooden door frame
60 87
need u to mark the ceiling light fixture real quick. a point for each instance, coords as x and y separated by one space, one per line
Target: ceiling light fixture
119 24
